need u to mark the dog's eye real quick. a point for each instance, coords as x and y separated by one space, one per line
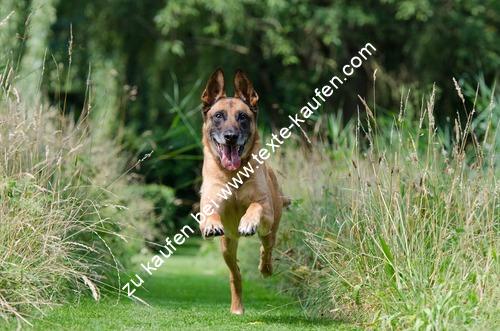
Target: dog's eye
219 115
242 116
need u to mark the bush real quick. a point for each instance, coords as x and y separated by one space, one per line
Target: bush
162 201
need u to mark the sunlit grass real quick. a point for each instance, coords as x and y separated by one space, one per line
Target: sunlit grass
396 226
57 237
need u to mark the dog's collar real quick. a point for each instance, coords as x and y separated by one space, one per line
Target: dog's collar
252 108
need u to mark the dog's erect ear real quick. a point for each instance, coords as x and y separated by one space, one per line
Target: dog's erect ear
214 90
243 89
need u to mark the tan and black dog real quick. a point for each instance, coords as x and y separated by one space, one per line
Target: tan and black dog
229 138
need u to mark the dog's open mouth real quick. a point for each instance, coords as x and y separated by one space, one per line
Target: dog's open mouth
230 155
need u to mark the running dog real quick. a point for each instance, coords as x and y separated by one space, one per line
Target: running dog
230 138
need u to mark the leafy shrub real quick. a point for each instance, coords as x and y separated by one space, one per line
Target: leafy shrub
162 200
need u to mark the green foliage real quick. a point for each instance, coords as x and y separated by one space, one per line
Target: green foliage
287 47
486 101
62 230
162 200
178 142
399 230
42 16
12 18
364 244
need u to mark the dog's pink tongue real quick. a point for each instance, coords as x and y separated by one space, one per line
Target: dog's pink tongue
230 157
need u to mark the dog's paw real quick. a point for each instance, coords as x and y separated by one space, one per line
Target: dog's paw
248 226
212 230
237 311
248 230
266 269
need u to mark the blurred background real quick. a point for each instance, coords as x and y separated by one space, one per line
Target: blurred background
394 219
138 67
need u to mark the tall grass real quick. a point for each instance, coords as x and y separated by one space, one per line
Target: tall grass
395 225
62 230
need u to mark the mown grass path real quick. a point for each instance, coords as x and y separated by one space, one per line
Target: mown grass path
189 292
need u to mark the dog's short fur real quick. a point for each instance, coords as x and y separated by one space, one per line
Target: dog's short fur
229 138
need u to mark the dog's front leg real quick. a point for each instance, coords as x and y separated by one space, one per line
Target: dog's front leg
255 219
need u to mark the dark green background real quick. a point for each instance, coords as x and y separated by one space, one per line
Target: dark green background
144 63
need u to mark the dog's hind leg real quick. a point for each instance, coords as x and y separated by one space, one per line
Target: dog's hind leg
267 244
266 250
229 249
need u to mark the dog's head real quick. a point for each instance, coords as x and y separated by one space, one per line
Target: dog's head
229 124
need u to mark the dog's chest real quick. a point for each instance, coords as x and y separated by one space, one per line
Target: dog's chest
235 207
231 213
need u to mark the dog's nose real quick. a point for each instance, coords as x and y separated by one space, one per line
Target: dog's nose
230 137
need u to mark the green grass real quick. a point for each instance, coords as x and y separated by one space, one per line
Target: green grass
395 226
190 292
62 226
